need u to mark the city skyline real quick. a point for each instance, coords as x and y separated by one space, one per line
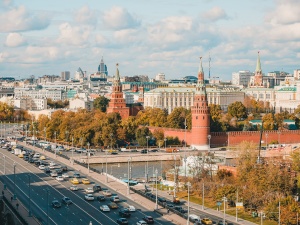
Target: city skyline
147 38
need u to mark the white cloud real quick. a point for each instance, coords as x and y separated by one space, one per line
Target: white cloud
215 14
19 19
170 30
14 40
100 39
41 54
119 18
126 36
73 35
85 16
286 12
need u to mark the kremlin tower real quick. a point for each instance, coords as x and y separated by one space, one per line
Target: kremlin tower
117 102
200 114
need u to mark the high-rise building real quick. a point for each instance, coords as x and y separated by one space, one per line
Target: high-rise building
65 75
102 68
241 78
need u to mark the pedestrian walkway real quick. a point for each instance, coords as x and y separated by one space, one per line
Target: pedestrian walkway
18 207
122 188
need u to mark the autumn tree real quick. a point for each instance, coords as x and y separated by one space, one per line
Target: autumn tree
152 117
237 110
215 117
176 119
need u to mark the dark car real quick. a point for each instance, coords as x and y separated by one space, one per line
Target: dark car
161 199
55 204
64 168
101 198
25 157
124 213
148 219
144 151
47 170
31 160
178 208
97 188
154 150
66 201
122 221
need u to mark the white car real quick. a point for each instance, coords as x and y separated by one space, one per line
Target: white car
52 163
89 197
65 175
53 174
59 178
104 208
74 188
141 222
106 193
41 167
89 190
131 208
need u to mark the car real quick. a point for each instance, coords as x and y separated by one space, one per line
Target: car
206 221
42 157
106 193
148 219
101 198
169 205
59 178
47 170
154 150
178 208
221 222
76 175
53 174
89 190
89 197
194 218
115 198
64 168
161 199
85 181
124 213
66 201
112 205
55 204
104 208
74 188
25 158
122 221
97 188
131 208
141 222
41 167
144 151
65 175
20 155
74 181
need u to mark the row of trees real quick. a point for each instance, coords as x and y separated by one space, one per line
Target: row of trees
259 185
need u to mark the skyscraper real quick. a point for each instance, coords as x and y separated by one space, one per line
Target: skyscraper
102 68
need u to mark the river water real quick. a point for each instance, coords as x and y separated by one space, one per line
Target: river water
138 170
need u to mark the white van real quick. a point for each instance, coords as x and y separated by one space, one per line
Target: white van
194 218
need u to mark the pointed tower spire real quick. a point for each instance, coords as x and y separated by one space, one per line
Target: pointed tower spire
117 77
200 72
258 65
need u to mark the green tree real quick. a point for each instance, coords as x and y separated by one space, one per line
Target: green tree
177 118
141 135
101 103
215 117
237 110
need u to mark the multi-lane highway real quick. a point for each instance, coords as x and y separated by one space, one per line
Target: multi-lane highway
33 186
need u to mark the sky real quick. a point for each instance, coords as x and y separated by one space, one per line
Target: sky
148 37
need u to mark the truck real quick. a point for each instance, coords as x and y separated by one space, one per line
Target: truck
17 151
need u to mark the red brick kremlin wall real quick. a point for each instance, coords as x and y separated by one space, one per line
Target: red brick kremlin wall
236 137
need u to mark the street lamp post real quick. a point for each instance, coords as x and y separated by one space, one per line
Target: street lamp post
15 196
156 205
209 137
188 212
72 150
128 177
165 143
88 155
55 142
29 197
225 200
147 170
106 180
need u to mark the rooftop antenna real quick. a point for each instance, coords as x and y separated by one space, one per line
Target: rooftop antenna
209 59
